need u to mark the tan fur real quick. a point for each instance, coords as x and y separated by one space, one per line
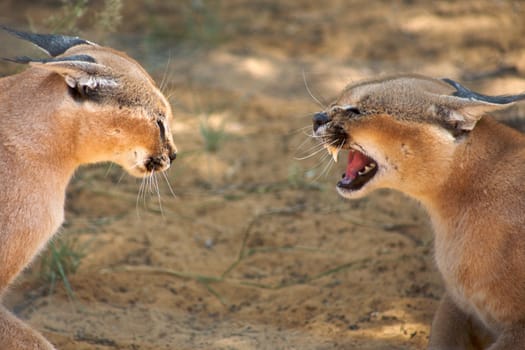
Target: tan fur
46 133
469 172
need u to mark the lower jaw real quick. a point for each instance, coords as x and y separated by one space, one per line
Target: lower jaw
138 172
354 193
141 172
347 193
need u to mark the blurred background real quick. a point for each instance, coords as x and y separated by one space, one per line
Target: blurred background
244 244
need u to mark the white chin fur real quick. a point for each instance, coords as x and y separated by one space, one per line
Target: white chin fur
133 162
348 194
138 172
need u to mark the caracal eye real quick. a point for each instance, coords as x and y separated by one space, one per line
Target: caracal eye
162 129
347 109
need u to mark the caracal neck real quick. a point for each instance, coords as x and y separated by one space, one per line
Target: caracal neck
483 176
33 133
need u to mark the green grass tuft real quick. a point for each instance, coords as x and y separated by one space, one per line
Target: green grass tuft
61 259
213 137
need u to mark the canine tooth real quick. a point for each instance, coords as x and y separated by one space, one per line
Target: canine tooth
367 169
334 152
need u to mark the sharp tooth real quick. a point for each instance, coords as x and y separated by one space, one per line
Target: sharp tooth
367 169
334 152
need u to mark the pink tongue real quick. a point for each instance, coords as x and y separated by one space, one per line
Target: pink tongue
356 162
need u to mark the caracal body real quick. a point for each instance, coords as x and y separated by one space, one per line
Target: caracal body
432 140
85 104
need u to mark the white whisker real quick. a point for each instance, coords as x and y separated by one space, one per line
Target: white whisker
108 169
156 183
311 154
139 195
169 185
332 161
147 191
148 182
313 136
310 92
148 186
321 146
303 143
164 80
312 147
301 129
121 177
326 168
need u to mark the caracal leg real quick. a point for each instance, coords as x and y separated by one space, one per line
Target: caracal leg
452 329
15 335
512 338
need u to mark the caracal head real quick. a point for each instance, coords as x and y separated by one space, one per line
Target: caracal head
117 112
401 132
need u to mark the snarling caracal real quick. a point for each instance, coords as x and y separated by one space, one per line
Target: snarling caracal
84 104
432 140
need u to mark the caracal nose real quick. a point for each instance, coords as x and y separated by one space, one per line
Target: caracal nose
320 119
172 152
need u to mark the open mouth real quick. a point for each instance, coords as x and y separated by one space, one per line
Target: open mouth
360 169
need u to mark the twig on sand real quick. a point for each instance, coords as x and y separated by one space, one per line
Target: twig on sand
244 252
251 224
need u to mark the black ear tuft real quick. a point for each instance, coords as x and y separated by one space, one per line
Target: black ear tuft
53 44
463 92
25 59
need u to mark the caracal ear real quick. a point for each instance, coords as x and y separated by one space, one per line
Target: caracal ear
79 72
464 108
53 44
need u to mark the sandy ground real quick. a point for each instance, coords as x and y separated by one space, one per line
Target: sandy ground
254 249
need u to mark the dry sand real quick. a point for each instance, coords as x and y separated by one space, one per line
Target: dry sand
255 250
